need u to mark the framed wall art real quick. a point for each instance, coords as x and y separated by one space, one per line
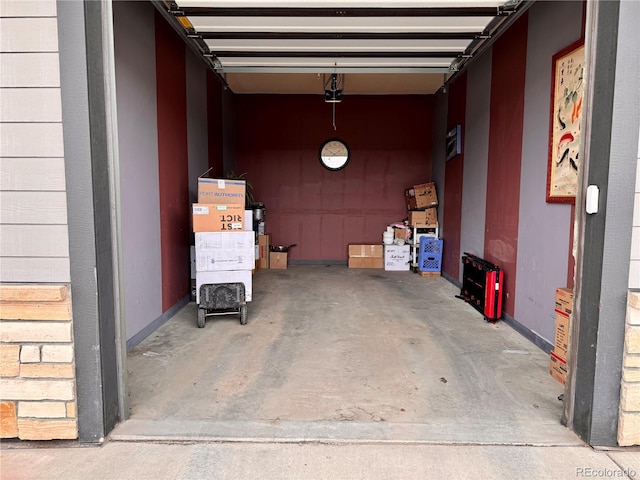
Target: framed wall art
567 88
454 142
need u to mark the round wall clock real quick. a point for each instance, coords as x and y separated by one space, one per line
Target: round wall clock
334 154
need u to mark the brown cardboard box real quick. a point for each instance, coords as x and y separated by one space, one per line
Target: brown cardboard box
558 368
562 336
421 196
264 240
366 256
375 251
428 216
366 262
401 232
221 191
410 198
264 256
423 217
417 216
217 218
425 195
564 301
278 260
263 247
432 216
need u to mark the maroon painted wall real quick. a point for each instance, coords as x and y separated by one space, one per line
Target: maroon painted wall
277 144
214 125
452 211
505 154
173 163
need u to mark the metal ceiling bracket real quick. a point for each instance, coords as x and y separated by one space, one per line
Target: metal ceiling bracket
170 5
491 33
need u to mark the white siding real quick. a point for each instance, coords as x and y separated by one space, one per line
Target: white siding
34 240
34 237
24 174
29 70
31 140
28 8
30 105
35 270
28 35
33 208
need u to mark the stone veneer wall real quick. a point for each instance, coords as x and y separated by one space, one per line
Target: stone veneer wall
37 368
629 420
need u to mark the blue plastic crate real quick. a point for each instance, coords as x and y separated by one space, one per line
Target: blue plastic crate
430 255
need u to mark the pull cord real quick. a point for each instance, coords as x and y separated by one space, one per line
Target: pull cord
334 116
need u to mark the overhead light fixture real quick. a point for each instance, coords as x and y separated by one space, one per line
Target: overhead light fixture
333 94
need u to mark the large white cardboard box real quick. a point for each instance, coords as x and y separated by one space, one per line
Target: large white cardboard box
223 251
397 257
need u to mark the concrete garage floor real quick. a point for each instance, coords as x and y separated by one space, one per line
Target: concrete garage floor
332 354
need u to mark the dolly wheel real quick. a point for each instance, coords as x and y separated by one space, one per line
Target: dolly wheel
201 317
243 315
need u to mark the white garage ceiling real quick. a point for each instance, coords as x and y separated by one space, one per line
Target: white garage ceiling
381 47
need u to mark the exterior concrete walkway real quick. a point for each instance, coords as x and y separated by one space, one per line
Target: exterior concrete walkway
142 461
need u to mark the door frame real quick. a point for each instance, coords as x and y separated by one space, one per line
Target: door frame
603 240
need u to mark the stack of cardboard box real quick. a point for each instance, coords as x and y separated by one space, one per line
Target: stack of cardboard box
220 206
365 256
563 308
422 201
268 259
224 249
